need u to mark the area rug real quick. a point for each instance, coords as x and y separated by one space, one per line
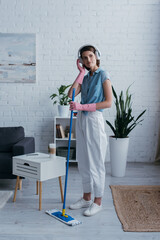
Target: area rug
4 197
137 207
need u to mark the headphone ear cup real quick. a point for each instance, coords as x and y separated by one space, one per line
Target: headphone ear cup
80 60
97 55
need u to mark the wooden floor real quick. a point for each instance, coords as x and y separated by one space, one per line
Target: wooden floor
22 220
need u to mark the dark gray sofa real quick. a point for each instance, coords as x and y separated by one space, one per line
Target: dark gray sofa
12 143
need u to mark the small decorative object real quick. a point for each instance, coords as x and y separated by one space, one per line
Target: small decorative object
63 100
67 131
75 114
72 135
52 150
124 123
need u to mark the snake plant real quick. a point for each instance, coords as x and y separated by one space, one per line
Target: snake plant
124 121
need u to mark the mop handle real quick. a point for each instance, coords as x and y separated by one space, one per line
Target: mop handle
69 142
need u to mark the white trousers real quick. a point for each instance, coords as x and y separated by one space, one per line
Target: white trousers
91 146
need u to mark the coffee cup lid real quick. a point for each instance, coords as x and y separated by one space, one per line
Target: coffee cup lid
52 145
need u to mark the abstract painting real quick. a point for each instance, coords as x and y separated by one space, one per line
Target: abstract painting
17 58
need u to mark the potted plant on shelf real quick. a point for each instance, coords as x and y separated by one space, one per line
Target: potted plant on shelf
124 123
63 100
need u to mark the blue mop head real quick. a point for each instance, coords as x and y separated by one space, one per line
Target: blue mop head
67 220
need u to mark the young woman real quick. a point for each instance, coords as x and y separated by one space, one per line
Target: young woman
91 144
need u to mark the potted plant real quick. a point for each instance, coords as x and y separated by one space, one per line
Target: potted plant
62 99
124 123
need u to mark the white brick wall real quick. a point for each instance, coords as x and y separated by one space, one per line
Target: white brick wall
128 34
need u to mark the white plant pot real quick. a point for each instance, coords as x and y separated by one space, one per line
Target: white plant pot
63 110
118 155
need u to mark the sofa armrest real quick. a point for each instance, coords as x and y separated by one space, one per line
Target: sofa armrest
27 145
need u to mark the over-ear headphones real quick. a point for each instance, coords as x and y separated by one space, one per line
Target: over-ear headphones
97 52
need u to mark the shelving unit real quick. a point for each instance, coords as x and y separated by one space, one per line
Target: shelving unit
63 142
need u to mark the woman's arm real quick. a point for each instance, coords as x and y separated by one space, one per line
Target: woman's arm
77 83
107 88
77 87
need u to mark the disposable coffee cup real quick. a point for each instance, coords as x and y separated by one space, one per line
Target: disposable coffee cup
52 150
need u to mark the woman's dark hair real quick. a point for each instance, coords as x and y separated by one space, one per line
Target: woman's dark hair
92 49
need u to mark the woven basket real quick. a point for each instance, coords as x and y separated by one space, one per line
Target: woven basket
63 151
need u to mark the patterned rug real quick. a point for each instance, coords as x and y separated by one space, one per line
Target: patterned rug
4 197
137 207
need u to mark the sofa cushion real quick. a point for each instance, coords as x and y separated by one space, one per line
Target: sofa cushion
9 136
5 162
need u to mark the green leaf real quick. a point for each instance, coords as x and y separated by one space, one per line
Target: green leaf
114 93
110 126
53 96
140 115
62 89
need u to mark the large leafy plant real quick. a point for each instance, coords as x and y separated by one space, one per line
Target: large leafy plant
62 96
124 121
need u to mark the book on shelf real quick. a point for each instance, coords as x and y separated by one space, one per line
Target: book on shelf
60 131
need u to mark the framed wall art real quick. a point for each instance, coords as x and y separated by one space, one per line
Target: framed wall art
17 58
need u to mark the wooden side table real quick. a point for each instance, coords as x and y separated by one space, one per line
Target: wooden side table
41 167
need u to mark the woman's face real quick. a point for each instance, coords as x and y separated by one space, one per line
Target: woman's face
89 59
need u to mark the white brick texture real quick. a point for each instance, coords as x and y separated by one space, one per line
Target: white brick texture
128 34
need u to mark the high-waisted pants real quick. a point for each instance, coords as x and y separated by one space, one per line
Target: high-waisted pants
91 146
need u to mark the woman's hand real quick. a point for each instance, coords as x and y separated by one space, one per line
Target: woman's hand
81 68
74 105
91 107
80 76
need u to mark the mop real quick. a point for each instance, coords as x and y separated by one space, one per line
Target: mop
61 216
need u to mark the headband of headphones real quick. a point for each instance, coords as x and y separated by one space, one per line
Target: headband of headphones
97 52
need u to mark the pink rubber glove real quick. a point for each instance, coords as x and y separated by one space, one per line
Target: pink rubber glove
91 107
80 77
